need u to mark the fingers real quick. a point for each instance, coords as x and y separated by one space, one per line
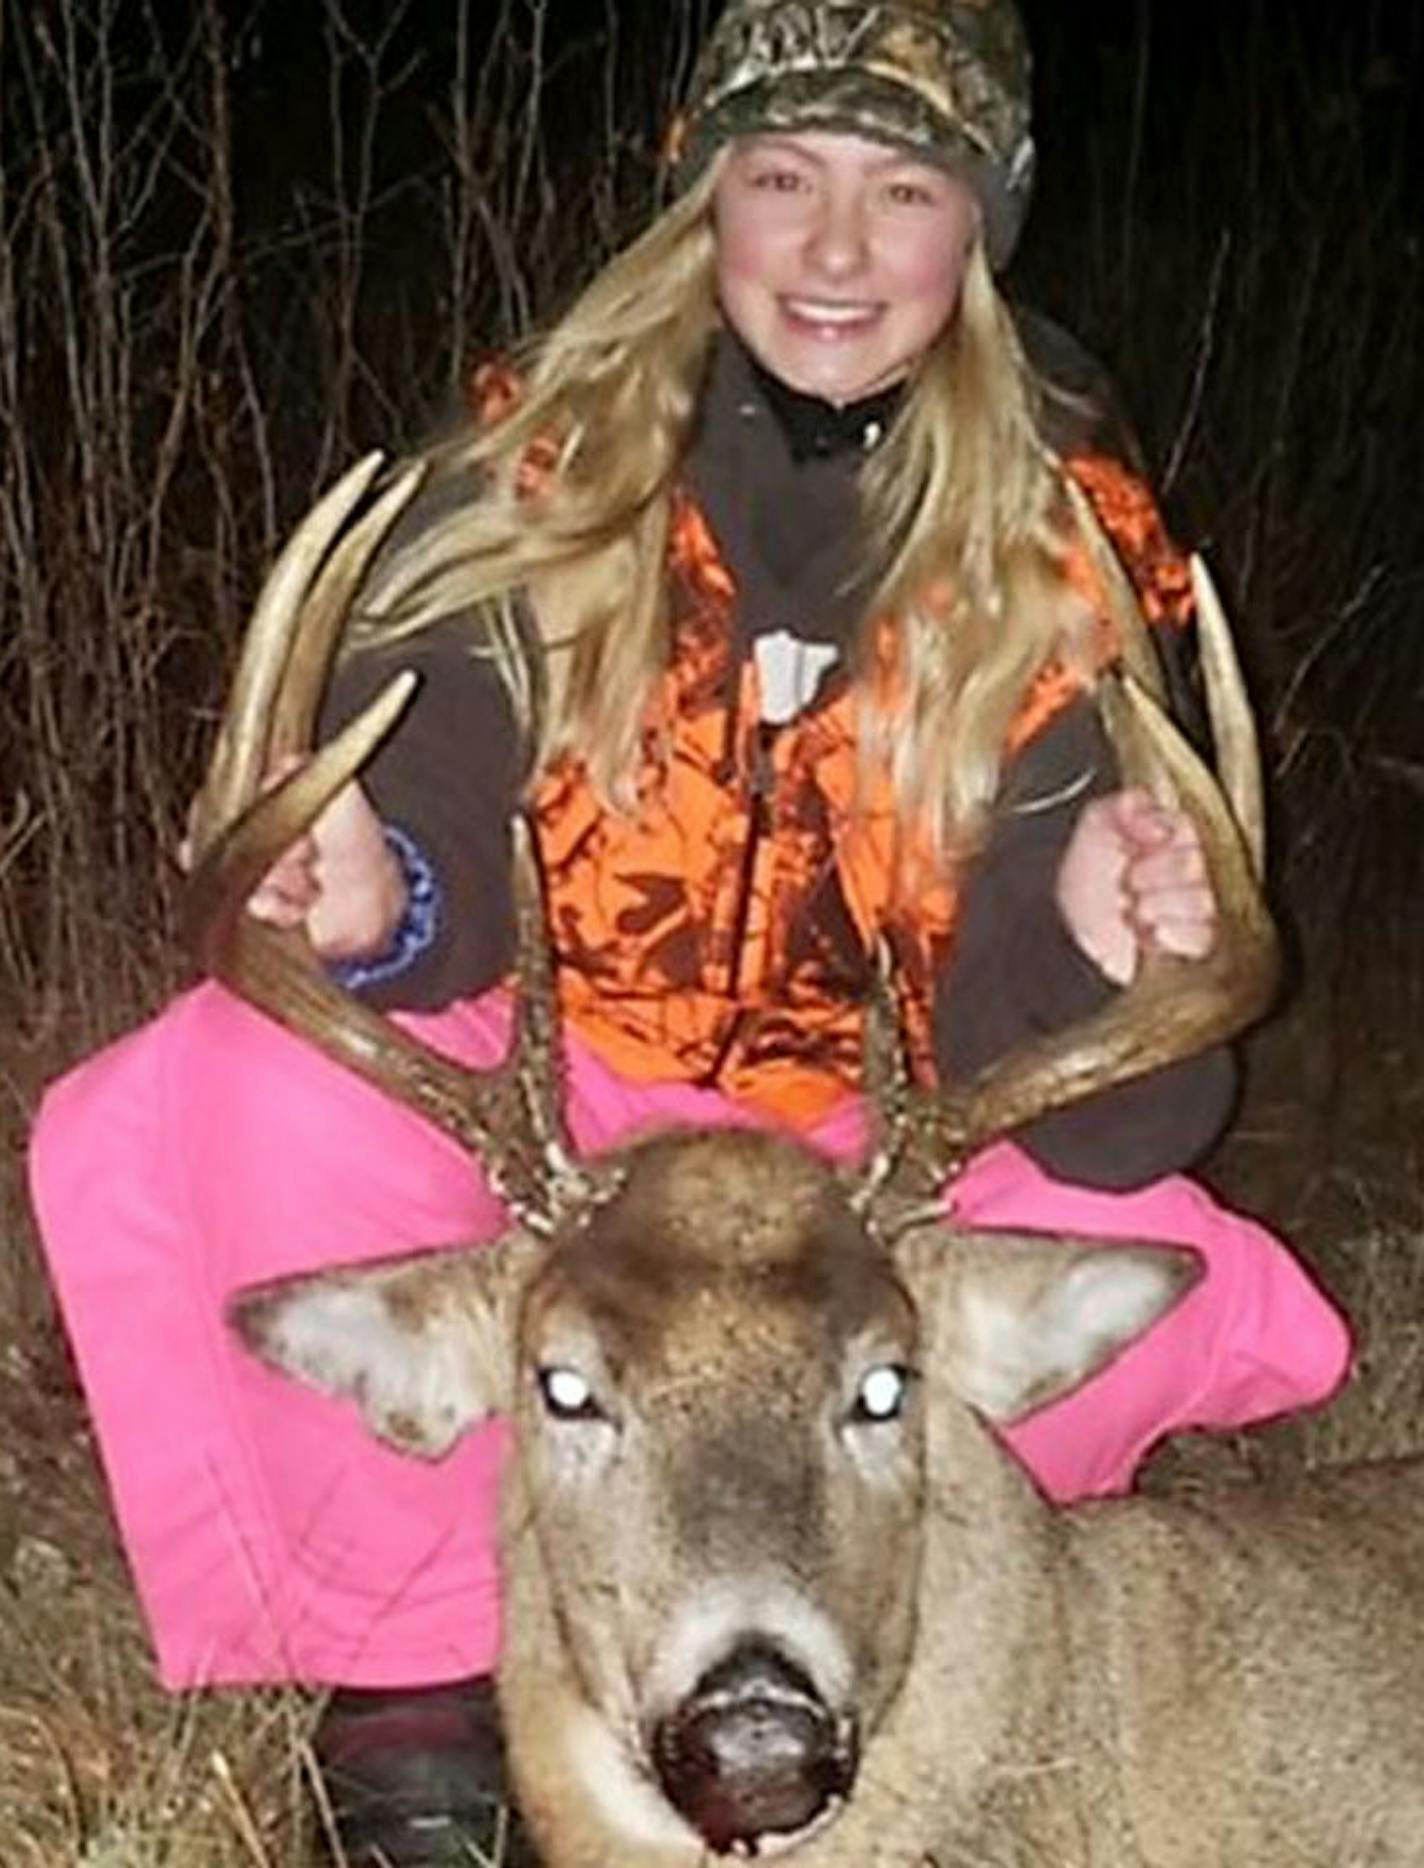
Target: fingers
292 887
290 890
1180 924
1168 895
281 768
1090 889
1135 877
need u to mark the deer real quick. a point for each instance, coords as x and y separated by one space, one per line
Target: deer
773 1584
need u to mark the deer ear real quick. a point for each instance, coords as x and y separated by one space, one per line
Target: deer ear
1025 1319
422 1343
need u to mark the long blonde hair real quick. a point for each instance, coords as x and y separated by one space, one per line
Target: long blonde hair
965 521
963 534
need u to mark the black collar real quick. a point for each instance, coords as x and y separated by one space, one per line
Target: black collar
819 430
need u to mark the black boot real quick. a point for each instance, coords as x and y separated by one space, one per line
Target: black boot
415 1778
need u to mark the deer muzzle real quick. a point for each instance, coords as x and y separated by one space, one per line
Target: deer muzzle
753 1755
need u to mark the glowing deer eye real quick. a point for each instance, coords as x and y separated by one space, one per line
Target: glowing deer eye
567 1395
882 1393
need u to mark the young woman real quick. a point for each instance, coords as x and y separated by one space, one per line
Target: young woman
762 589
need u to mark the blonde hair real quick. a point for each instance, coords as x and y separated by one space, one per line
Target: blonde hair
963 535
965 521
605 402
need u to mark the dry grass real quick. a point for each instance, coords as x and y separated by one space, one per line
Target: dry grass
182 359
97 1767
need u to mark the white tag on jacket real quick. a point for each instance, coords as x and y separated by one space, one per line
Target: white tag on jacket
789 671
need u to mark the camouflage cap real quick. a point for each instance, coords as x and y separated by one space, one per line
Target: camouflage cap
948 79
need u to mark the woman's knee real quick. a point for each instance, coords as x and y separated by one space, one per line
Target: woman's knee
258 1151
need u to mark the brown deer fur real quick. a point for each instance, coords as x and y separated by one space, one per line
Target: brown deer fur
1238 1679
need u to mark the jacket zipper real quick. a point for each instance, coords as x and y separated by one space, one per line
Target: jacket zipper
760 785
759 790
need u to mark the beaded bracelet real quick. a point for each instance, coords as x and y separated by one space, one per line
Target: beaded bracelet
417 927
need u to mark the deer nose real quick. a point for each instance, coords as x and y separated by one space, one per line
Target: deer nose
754 1751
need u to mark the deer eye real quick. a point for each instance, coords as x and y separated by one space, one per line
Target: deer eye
881 1395
567 1395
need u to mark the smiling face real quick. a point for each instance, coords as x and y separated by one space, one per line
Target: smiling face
839 260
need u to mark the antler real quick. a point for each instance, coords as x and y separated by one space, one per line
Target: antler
510 1117
1174 1007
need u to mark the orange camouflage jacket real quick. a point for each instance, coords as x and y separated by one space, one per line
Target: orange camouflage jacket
721 934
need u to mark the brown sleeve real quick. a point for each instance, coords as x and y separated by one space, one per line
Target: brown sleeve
449 776
1016 974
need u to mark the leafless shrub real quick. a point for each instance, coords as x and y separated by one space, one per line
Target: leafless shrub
190 341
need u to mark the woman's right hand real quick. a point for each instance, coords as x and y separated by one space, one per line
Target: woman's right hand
340 880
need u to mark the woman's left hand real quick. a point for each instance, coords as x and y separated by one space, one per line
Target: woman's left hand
1134 875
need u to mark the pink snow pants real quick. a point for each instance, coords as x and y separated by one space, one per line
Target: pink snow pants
271 1538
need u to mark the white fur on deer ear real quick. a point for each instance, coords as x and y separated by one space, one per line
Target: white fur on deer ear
1026 1319
422 1343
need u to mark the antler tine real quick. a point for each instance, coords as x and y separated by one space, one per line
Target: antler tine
1233 725
1139 654
536 1039
243 751
509 1116
1174 1007
241 851
324 614
886 1086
